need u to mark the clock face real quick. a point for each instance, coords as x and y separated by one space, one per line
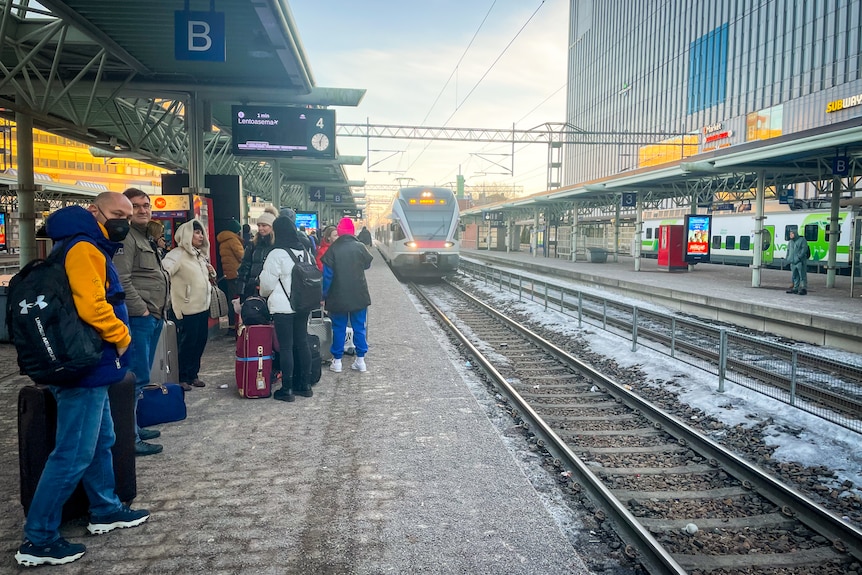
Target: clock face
320 142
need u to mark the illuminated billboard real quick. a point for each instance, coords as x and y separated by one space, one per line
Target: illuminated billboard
697 231
307 219
2 230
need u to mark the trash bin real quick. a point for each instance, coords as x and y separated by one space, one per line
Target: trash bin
597 255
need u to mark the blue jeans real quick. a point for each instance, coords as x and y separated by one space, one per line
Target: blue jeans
145 331
339 331
85 435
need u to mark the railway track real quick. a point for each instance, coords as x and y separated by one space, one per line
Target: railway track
680 502
803 376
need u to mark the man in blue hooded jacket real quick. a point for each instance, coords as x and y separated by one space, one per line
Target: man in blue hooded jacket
85 431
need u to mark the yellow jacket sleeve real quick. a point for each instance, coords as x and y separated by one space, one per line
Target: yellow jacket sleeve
85 267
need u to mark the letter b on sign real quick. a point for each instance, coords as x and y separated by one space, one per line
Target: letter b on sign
199 36
840 166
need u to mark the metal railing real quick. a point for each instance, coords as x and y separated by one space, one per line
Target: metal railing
827 388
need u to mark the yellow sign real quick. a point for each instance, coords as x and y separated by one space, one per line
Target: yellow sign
170 203
839 105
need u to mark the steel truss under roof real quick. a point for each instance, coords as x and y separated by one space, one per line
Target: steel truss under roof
791 159
104 73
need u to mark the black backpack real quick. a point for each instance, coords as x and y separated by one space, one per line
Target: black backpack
254 311
55 347
306 283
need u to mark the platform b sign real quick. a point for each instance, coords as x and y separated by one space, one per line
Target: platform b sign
199 35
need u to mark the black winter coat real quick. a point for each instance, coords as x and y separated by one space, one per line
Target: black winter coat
344 285
252 265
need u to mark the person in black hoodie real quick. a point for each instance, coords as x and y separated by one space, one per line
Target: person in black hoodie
364 236
291 324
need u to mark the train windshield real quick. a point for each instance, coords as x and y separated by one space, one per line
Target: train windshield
430 225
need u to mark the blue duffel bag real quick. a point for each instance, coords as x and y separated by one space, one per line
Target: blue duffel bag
161 403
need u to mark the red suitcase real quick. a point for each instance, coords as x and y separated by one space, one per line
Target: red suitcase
254 360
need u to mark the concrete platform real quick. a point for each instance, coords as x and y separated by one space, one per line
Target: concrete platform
397 470
826 316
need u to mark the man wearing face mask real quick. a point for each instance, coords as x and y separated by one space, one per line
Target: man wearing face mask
85 430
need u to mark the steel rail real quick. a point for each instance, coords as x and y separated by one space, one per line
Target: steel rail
650 552
843 535
844 404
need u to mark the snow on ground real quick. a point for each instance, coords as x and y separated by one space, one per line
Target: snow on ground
818 443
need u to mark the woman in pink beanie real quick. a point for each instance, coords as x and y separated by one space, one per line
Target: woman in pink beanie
345 292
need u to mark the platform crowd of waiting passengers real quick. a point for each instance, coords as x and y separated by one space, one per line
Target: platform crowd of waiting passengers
143 287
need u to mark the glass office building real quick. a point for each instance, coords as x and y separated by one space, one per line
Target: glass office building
698 76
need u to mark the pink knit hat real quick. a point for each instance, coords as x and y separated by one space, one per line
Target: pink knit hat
345 227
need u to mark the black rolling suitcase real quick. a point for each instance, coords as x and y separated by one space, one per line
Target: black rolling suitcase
37 430
316 360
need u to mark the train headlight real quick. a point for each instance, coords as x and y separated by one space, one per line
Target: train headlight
449 244
411 245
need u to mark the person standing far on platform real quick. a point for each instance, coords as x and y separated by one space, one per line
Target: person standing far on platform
329 235
291 325
146 285
156 236
252 260
231 252
191 275
345 292
364 236
797 256
246 236
85 430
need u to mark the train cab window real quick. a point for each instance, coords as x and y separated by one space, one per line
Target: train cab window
397 232
827 233
730 243
716 242
745 243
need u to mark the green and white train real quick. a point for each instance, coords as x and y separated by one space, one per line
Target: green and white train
732 236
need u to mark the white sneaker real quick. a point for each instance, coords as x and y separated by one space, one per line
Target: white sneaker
359 365
335 366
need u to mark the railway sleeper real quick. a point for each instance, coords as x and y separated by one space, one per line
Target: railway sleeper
814 557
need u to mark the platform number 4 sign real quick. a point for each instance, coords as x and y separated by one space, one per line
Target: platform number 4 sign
317 193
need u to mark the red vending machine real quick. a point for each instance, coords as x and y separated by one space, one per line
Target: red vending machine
671 244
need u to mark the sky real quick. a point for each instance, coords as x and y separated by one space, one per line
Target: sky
442 63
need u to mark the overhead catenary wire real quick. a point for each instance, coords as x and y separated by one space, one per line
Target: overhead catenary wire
476 85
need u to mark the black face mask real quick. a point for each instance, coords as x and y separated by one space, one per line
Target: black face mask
117 228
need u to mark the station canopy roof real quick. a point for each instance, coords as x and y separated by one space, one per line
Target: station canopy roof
105 73
732 172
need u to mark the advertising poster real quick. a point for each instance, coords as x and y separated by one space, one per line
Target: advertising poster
697 232
307 219
2 231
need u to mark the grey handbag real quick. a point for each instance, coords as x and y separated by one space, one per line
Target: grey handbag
218 302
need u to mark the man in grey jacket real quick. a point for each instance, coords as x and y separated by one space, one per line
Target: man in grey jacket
146 285
797 256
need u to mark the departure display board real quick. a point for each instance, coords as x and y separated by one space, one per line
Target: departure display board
283 131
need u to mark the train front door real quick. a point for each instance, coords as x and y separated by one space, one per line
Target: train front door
768 244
